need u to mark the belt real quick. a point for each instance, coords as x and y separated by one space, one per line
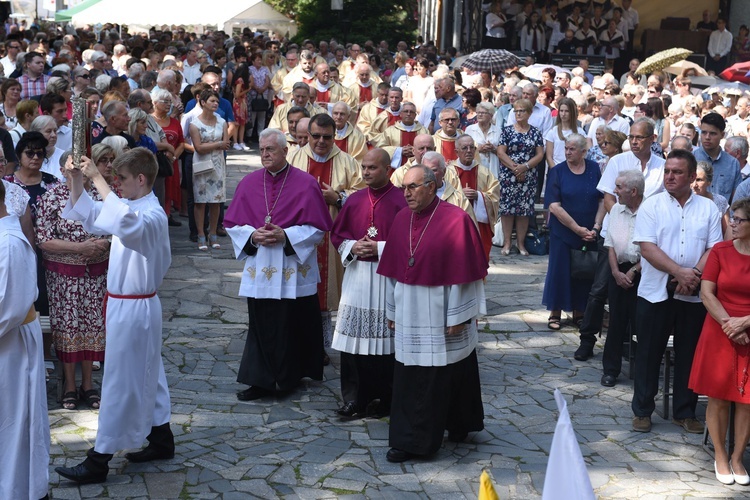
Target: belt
30 316
116 296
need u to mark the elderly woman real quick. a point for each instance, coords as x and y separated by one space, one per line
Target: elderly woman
31 151
172 131
611 146
26 111
487 137
722 357
566 123
704 175
10 94
576 212
137 129
81 79
521 149
47 126
625 264
210 138
76 270
595 153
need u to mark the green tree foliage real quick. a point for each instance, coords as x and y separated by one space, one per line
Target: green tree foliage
361 20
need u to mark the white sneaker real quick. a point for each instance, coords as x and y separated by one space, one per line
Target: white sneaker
246 147
237 147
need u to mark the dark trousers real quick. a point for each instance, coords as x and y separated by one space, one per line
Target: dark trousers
593 316
365 378
97 462
654 323
716 66
621 318
161 438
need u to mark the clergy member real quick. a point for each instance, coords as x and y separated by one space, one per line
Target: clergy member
447 182
399 138
276 219
300 98
480 187
293 117
372 109
422 144
135 396
348 137
391 116
362 335
364 86
329 92
436 375
445 138
338 176
24 429
303 72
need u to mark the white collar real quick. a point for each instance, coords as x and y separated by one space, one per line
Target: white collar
323 88
340 134
465 167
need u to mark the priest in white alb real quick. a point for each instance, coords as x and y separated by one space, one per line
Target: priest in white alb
391 115
398 139
436 375
369 111
445 138
348 137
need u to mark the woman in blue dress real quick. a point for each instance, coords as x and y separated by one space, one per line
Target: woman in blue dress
576 212
521 149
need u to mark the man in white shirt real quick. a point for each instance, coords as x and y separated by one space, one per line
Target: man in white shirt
609 117
719 45
9 62
738 147
639 158
738 122
191 68
675 230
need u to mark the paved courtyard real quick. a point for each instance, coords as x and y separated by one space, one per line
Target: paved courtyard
296 447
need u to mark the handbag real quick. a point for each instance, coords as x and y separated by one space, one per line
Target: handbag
165 165
583 263
498 238
203 166
537 242
259 104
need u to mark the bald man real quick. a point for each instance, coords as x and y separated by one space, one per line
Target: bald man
348 137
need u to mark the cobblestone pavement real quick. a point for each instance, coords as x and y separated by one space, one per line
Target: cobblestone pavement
296 447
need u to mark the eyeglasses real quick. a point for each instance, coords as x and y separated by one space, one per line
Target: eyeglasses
638 138
467 148
412 187
737 220
520 111
35 154
17 47
106 160
449 119
86 76
325 137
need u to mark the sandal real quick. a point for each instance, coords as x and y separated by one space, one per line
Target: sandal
202 244
553 323
91 397
214 240
70 400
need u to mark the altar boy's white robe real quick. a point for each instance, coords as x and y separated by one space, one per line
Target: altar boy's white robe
135 396
24 426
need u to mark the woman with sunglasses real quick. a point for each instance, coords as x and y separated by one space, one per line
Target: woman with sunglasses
81 79
31 151
75 262
722 357
10 95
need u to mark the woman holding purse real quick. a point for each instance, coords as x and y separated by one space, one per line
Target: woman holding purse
210 137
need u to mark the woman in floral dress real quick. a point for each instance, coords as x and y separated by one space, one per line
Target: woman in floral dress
76 267
521 149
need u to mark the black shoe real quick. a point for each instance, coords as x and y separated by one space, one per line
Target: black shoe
397 456
457 436
584 352
609 380
349 410
193 238
148 454
173 223
253 393
81 474
326 358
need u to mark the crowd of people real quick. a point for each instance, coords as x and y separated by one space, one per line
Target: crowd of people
361 149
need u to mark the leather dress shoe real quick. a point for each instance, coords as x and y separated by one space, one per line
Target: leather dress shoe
253 393
395 455
349 410
220 231
690 425
81 474
173 223
609 380
457 436
148 454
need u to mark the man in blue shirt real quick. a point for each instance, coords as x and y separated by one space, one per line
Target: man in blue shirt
727 174
445 91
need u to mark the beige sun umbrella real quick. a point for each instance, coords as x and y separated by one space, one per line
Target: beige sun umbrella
662 60
678 67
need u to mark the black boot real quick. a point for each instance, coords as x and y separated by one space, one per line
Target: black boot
586 349
92 470
160 446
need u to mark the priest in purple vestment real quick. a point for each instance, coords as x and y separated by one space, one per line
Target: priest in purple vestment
276 220
435 267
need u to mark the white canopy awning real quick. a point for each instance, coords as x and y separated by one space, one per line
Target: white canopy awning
221 13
